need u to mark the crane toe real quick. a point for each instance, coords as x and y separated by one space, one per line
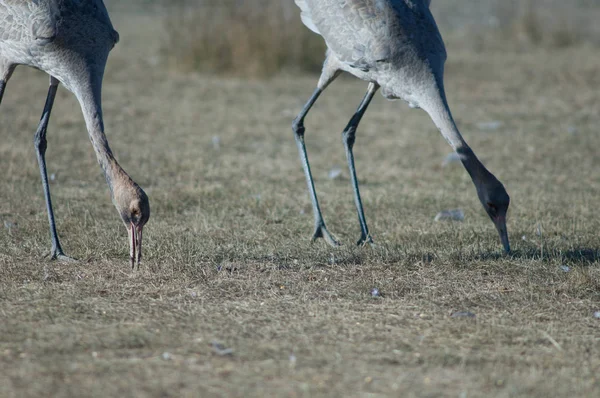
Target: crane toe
322 232
61 257
366 240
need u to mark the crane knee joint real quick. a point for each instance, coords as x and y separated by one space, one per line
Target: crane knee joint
298 127
349 137
39 140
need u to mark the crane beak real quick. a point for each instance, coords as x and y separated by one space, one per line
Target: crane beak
135 244
500 223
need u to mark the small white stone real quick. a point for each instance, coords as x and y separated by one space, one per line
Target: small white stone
453 215
216 142
491 125
221 350
10 225
463 314
334 173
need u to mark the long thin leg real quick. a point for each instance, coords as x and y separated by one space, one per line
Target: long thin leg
5 74
2 88
349 137
298 127
40 149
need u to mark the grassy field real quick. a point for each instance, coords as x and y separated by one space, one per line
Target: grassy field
232 299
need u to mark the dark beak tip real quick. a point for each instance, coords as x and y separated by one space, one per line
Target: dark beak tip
505 244
500 224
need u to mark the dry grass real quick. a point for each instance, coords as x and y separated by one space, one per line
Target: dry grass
552 24
249 38
228 257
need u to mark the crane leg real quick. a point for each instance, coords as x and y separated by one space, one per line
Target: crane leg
40 150
349 137
6 72
2 88
298 127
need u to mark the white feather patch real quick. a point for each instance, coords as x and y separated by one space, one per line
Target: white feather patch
306 16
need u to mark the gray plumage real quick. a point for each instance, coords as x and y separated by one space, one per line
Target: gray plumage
394 45
70 41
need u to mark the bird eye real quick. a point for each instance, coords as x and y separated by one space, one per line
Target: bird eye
492 208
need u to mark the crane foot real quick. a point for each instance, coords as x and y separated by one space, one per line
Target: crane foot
61 257
365 240
322 232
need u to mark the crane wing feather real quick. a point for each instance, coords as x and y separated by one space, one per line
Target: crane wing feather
28 20
306 16
23 20
365 33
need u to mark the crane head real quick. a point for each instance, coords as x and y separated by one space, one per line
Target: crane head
134 208
495 201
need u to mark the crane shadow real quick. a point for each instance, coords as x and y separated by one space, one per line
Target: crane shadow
578 255
582 255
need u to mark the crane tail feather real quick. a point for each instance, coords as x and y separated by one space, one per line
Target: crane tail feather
306 16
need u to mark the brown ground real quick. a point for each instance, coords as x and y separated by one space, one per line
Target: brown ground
227 251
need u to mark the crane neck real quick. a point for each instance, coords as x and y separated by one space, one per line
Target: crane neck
90 100
437 107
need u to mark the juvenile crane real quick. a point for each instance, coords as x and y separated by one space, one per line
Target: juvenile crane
70 41
394 45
